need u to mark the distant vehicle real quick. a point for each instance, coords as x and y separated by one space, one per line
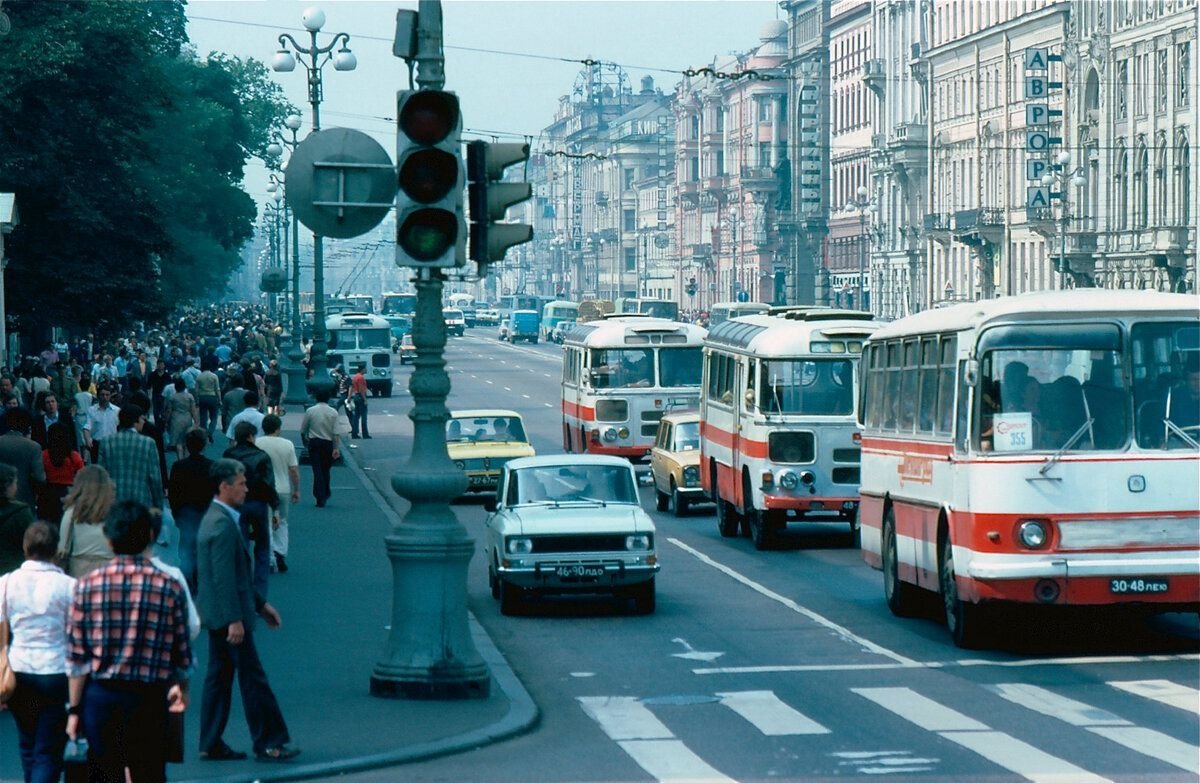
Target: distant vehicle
720 312
362 340
558 333
398 304
659 308
360 303
524 325
408 351
593 309
455 323
503 334
400 326
570 524
554 312
487 316
481 441
675 463
513 302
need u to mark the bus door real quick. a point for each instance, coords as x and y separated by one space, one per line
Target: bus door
574 374
738 436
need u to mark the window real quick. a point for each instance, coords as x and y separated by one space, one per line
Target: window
628 220
1184 186
1141 187
1164 400
622 368
1161 85
631 259
820 387
1120 186
1160 183
927 402
908 388
1123 89
628 175
720 378
945 404
1141 82
1183 73
679 366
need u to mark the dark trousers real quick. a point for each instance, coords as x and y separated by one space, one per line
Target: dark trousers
39 709
255 520
358 417
159 403
187 519
320 454
125 724
263 716
210 408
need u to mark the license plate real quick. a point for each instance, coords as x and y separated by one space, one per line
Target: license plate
1137 586
480 480
579 572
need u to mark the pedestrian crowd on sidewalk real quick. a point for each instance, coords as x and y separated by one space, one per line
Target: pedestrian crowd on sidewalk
101 454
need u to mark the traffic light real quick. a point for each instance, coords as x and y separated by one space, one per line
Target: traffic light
691 287
489 199
430 226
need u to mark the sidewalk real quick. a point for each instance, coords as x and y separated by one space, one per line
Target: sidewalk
335 602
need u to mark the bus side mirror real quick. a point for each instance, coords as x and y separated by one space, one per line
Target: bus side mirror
971 376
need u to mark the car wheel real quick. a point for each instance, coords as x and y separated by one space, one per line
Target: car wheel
493 583
644 597
964 620
900 595
511 598
760 529
679 505
661 499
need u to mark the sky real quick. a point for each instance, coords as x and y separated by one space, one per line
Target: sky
506 91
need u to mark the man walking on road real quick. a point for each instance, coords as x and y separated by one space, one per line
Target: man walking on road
18 450
258 510
228 605
102 420
287 484
132 460
319 433
357 404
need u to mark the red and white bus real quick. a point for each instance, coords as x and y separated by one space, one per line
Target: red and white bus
620 375
778 438
1037 449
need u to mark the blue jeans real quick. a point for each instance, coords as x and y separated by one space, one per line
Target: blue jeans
126 726
255 520
209 410
39 709
187 519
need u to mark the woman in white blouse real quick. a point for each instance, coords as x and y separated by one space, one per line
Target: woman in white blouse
35 600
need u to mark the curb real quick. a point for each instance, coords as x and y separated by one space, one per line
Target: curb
522 715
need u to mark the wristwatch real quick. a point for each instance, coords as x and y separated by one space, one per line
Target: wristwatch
74 709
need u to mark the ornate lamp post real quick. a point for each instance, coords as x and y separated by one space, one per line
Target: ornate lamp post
290 347
317 58
1060 175
863 206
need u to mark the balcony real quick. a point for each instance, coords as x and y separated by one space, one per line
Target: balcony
937 226
1170 239
757 176
874 76
1041 221
718 182
977 227
907 145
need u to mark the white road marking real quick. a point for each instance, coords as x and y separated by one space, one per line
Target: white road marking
692 654
526 396
548 405
1113 727
995 746
491 381
648 741
845 633
507 388
969 662
583 674
1163 691
770 714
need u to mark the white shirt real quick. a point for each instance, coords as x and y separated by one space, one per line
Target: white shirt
252 415
102 422
36 599
283 456
193 616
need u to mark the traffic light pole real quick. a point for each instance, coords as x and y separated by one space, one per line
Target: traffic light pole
429 652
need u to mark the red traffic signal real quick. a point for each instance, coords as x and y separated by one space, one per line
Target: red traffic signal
429 116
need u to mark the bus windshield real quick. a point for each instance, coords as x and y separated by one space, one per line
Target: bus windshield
629 368
1166 384
680 366
374 338
817 387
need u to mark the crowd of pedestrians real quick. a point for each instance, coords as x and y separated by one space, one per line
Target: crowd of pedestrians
101 454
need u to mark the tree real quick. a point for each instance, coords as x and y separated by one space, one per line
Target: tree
126 153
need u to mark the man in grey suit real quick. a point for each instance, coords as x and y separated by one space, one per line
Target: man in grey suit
25 455
228 605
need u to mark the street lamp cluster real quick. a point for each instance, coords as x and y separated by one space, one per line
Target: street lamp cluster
863 207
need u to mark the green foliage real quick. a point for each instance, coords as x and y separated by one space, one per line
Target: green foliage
126 153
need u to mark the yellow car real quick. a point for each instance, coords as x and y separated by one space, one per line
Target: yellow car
481 441
675 463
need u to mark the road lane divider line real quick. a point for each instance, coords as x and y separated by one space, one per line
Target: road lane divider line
526 396
1148 742
845 633
997 747
770 714
1162 691
507 388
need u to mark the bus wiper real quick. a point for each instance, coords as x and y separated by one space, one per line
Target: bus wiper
1053 459
1172 427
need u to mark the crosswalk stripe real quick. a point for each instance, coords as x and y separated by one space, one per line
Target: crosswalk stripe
769 714
1001 749
624 718
1163 691
1112 727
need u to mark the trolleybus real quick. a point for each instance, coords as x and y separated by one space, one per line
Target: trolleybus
620 375
721 312
778 441
556 312
398 304
659 308
1036 449
362 340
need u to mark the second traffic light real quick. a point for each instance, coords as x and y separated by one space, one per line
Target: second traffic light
489 200
430 225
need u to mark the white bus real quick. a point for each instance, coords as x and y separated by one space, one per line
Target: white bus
778 439
720 312
620 375
556 312
1036 449
362 340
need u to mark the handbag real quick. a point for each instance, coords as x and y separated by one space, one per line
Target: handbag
8 677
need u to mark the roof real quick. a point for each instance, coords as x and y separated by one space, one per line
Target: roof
788 333
1042 305
551 460
346 319
483 413
612 330
682 417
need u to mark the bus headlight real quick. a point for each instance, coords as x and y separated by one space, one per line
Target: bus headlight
807 478
1032 533
519 546
637 543
623 433
610 434
788 479
458 463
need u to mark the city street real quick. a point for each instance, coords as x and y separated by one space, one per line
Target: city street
787 664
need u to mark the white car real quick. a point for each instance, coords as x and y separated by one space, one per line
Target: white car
503 333
570 524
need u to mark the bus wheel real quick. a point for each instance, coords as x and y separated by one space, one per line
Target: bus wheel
760 529
855 530
900 595
964 620
728 520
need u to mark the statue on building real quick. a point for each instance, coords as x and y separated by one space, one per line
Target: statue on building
783 186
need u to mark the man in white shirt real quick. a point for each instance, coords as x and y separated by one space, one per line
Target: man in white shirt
101 421
250 413
287 483
319 432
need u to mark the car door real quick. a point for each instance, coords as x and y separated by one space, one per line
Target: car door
660 457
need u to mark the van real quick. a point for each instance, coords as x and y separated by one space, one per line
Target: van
524 325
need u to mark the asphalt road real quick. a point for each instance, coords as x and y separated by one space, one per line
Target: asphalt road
787 665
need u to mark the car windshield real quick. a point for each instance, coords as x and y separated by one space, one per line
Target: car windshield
819 387
566 483
485 429
687 436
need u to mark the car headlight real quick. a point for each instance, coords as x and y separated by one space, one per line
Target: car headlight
691 475
458 463
788 479
623 433
610 434
1033 533
520 546
639 543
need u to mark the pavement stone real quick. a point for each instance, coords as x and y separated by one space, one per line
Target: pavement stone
335 602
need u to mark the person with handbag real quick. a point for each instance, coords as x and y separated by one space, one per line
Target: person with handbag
83 547
15 517
35 601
